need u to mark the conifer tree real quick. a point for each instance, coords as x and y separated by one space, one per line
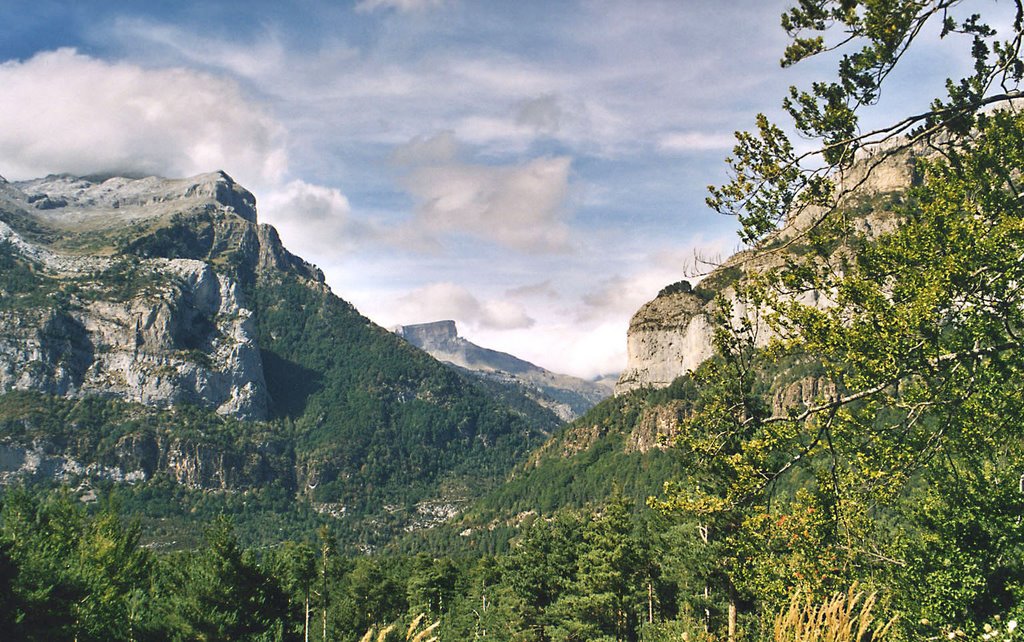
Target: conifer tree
224 595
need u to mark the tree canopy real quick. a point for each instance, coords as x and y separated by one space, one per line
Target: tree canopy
870 380
770 178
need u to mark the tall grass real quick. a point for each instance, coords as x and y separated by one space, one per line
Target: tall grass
847 617
415 633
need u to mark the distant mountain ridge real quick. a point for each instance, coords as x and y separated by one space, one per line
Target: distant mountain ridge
567 396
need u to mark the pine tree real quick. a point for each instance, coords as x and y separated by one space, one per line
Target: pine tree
224 595
613 574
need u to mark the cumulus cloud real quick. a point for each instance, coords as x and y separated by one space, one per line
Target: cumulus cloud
519 206
450 301
62 111
314 217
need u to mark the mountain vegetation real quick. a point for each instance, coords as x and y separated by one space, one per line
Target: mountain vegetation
356 421
846 466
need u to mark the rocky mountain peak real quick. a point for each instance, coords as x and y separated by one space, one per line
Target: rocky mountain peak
63 200
437 335
135 291
566 396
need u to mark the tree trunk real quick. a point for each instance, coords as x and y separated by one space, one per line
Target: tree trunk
732 613
650 603
323 572
704 535
305 626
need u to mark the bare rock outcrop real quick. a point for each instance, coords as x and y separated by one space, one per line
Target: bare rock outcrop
138 292
672 334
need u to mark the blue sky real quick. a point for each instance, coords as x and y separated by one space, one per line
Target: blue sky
533 170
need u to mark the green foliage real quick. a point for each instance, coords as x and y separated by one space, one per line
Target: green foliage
21 284
77 577
892 466
613 572
223 594
919 370
770 179
588 460
384 423
677 287
76 569
182 237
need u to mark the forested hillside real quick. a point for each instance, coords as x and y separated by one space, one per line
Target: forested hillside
847 464
191 358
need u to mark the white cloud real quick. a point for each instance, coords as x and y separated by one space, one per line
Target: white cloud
581 351
316 218
450 301
519 206
398 5
695 141
62 111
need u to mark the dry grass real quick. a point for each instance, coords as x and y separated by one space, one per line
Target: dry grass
845 618
415 633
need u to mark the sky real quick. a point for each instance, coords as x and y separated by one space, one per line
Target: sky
535 170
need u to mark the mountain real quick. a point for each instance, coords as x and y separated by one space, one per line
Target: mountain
82 320
622 444
672 334
153 332
568 397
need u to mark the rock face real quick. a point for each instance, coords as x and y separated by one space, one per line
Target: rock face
137 458
568 397
668 336
672 334
140 302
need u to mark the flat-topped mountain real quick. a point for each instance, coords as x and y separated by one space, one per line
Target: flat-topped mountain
567 396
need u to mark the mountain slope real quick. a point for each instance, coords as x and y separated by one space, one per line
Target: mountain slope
566 396
621 445
143 296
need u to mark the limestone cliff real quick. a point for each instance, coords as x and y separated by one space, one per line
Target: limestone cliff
672 334
133 290
137 458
